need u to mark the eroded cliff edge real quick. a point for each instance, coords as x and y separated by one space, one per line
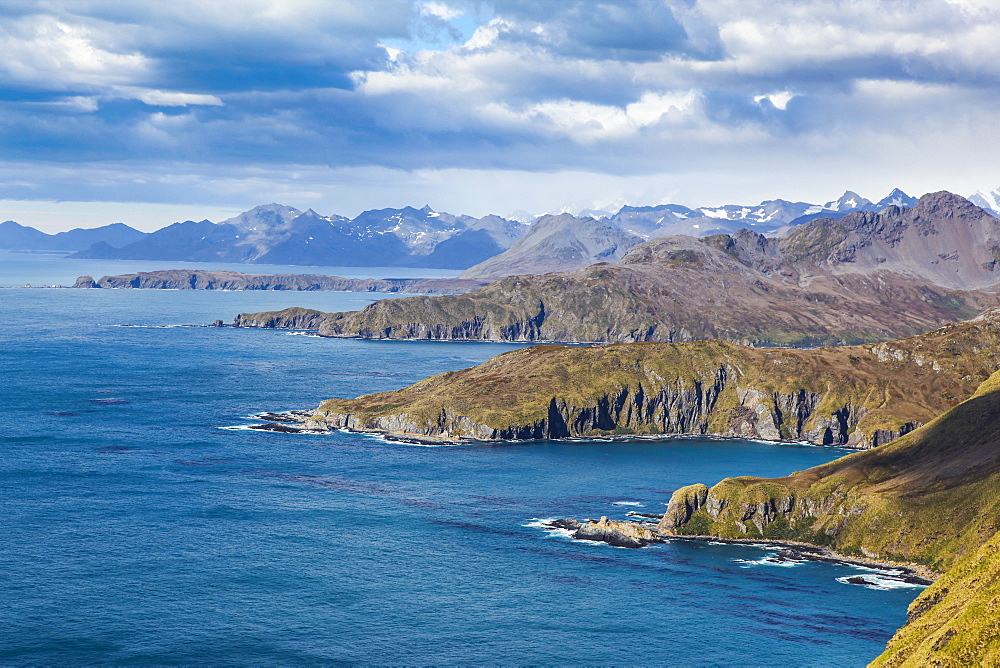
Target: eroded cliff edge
853 396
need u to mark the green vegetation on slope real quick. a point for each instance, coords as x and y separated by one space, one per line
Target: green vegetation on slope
864 395
955 621
926 498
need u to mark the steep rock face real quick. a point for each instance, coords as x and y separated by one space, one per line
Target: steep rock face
928 497
857 396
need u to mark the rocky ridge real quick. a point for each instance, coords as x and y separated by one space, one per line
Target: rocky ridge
851 396
827 283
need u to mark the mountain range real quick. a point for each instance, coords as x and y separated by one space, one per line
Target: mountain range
487 247
867 276
14 236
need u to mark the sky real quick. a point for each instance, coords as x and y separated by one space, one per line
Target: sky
148 112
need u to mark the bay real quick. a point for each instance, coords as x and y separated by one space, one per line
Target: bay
136 530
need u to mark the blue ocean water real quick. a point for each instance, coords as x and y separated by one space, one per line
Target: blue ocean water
135 530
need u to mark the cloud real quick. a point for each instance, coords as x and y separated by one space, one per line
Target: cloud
621 88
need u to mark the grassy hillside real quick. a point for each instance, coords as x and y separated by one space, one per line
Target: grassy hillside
864 395
955 621
929 497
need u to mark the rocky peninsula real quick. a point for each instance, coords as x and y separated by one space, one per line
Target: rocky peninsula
180 279
848 396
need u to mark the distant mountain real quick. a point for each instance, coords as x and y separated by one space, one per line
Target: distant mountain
896 198
278 234
770 216
667 219
558 243
483 239
426 238
14 236
868 276
188 241
989 201
849 201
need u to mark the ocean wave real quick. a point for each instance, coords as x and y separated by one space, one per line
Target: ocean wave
550 531
628 503
879 581
769 560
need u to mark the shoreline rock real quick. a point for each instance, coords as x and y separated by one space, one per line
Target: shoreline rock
638 534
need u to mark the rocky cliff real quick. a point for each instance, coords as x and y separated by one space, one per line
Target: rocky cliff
856 396
741 287
931 497
928 497
178 279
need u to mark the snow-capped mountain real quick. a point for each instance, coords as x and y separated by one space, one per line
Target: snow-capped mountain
279 234
896 198
989 201
850 201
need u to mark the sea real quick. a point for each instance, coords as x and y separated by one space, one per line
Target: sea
141 524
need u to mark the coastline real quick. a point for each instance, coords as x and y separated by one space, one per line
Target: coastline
284 422
626 534
810 552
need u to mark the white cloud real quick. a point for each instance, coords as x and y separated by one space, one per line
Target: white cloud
538 88
161 98
778 100
41 51
441 10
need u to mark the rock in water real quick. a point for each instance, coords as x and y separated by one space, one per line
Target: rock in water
619 534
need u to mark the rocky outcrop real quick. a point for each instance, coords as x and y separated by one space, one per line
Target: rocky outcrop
618 534
177 279
852 396
292 318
